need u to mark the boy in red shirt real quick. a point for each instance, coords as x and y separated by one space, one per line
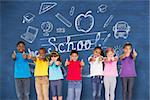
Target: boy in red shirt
74 76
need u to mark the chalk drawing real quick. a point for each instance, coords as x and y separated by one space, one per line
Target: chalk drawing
28 17
60 30
121 29
108 21
79 22
46 6
46 28
106 39
118 50
30 34
72 10
63 20
68 44
102 8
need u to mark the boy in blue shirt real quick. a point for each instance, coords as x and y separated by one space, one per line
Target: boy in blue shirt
22 72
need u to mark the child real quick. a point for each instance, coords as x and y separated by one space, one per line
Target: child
74 76
41 75
96 71
128 72
22 72
55 75
110 74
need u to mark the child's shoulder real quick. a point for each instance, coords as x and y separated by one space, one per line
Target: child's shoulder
78 61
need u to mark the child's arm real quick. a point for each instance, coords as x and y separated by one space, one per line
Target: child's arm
115 58
134 54
122 56
101 58
105 59
24 55
91 59
50 63
13 55
67 62
82 63
58 63
31 57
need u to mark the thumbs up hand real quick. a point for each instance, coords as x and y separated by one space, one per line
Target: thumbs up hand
24 55
58 63
82 63
134 54
30 56
100 58
13 55
114 58
67 62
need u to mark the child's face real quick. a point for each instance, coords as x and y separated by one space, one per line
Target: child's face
74 57
42 53
54 58
110 54
97 52
21 47
127 49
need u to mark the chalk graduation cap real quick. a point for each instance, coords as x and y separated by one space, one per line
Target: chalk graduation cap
45 6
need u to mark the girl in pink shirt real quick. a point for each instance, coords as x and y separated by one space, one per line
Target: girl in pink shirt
110 74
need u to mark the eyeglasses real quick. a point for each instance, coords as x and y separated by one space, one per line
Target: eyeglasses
54 56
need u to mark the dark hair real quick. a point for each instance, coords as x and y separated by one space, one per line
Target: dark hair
43 49
74 51
102 52
55 54
127 44
20 42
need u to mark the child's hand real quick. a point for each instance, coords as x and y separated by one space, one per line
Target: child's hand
50 63
67 62
14 55
126 54
30 56
123 56
100 58
115 59
92 59
82 63
24 55
58 63
134 54
105 59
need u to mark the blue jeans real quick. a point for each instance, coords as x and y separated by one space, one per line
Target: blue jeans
22 88
97 82
127 85
56 87
74 90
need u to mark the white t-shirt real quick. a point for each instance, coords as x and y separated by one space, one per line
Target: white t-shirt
96 68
